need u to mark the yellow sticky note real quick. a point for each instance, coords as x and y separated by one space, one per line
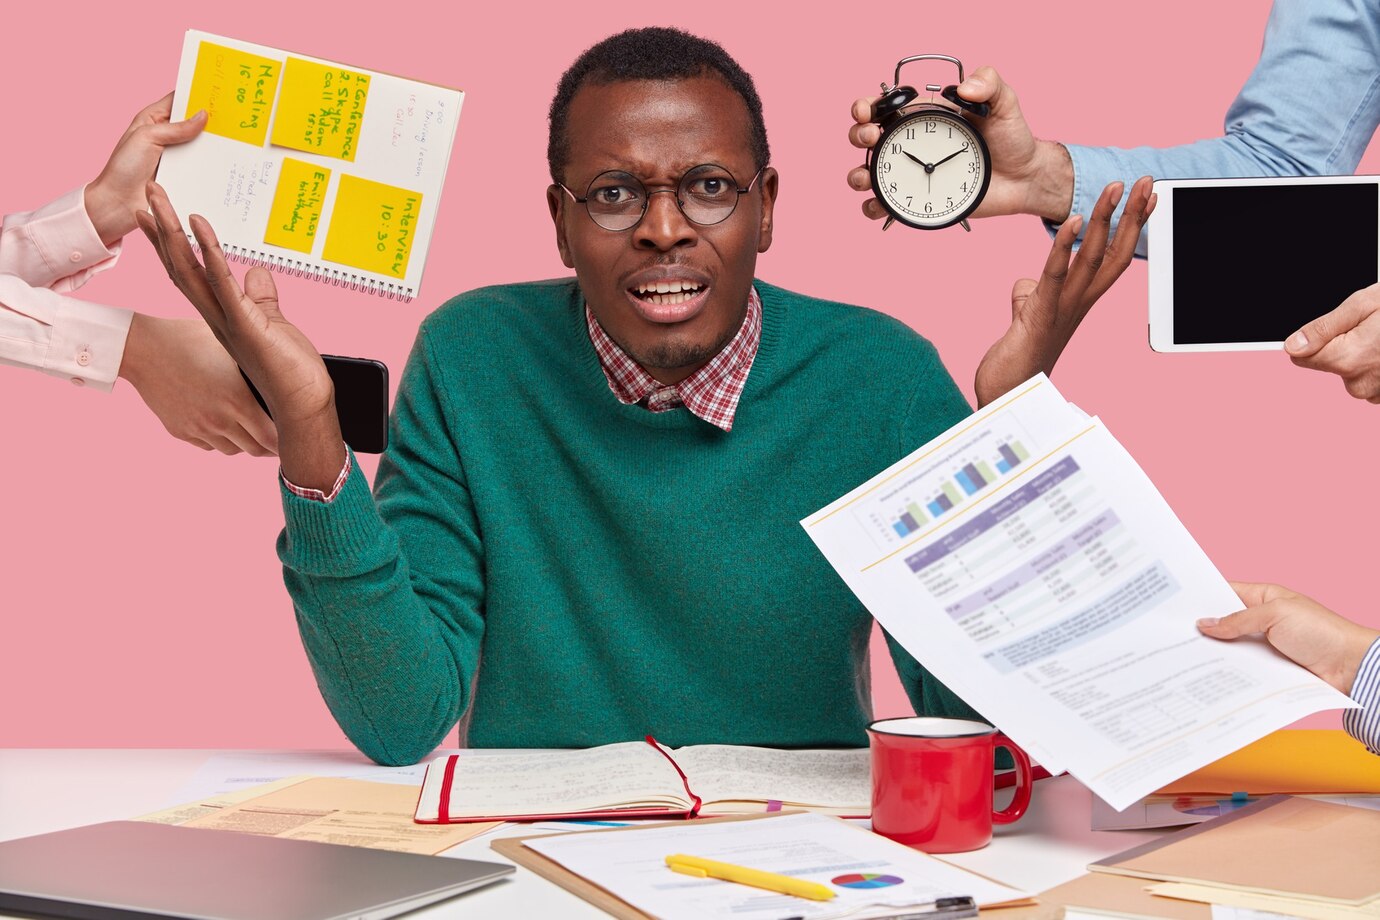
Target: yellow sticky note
372 226
296 209
236 89
321 110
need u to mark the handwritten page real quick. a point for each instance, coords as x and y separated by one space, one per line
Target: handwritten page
312 166
321 109
342 811
236 88
373 226
865 871
296 210
841 780
1027 561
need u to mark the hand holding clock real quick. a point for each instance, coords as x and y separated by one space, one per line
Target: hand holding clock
1029 176
1045 314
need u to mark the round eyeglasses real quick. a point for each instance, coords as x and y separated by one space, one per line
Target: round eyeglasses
617 200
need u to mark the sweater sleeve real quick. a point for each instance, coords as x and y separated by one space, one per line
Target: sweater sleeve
389 591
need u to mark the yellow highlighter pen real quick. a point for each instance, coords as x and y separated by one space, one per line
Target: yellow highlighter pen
709 868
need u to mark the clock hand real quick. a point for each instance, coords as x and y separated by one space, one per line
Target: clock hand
949 157
928 168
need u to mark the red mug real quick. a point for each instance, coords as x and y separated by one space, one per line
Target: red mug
932 782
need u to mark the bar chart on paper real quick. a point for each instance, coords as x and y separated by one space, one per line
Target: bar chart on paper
936 485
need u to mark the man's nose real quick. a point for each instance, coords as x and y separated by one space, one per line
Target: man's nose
663 226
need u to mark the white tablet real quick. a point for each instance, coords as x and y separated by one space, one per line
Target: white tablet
1240 264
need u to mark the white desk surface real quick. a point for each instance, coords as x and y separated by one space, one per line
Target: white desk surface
49 790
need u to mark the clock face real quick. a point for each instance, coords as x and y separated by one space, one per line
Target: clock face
930 169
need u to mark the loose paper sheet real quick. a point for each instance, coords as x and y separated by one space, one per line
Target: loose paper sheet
1027 561
342 811
861 868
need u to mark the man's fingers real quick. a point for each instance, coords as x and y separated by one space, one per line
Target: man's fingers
859 179
260 288
1056 272
218 275
181 263
1020 293
150 229
1314 335
873 209
984 85
864 136
1139 206
1122 248
1094 249
862 109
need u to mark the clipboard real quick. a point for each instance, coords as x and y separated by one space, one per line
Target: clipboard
516 849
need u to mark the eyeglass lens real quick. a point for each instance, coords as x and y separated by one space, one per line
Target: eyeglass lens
707 194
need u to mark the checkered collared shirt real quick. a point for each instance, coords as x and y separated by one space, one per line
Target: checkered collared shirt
711 392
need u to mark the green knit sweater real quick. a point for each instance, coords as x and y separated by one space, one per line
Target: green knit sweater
565 571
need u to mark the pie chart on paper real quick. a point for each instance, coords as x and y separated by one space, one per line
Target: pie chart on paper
867 880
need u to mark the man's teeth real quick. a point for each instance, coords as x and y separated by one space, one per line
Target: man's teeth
668 293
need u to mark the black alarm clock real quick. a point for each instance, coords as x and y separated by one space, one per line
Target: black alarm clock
931 167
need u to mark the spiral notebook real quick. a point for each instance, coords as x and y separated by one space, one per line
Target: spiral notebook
311 167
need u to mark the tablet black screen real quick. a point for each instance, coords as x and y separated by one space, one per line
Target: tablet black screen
1254 263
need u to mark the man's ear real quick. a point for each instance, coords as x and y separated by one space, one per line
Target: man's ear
555 202
767 188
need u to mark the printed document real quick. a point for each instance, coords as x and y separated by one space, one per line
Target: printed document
869 875
1028 562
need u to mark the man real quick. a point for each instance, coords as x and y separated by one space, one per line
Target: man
1309 108
178 368
586 521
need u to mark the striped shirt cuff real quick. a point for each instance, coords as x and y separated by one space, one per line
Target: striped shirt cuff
1364 724
317 495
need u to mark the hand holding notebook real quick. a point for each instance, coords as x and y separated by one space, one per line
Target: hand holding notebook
310 166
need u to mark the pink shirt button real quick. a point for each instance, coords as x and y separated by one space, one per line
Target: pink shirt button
78 382
83 357
75 257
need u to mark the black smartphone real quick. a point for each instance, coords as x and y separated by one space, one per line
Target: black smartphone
361 401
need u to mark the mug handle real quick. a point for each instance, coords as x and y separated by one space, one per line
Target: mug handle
1024 783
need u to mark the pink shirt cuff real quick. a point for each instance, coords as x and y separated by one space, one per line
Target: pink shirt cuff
317 495
58 335
55 246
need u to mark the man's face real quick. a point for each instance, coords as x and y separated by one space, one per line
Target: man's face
658 131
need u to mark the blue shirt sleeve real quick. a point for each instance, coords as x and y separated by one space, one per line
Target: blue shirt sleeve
1309 108
1364 724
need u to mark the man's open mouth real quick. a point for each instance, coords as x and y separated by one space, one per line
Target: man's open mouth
667 293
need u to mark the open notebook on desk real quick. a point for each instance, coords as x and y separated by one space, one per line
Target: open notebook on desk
644 779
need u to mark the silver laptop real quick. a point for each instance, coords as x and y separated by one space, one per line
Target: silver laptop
127 869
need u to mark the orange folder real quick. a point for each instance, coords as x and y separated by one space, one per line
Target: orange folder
1293 761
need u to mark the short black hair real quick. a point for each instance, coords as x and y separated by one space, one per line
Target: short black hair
654 53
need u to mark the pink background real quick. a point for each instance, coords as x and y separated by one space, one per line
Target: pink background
142 600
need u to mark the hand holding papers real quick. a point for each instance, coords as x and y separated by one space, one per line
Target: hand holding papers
1027 561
